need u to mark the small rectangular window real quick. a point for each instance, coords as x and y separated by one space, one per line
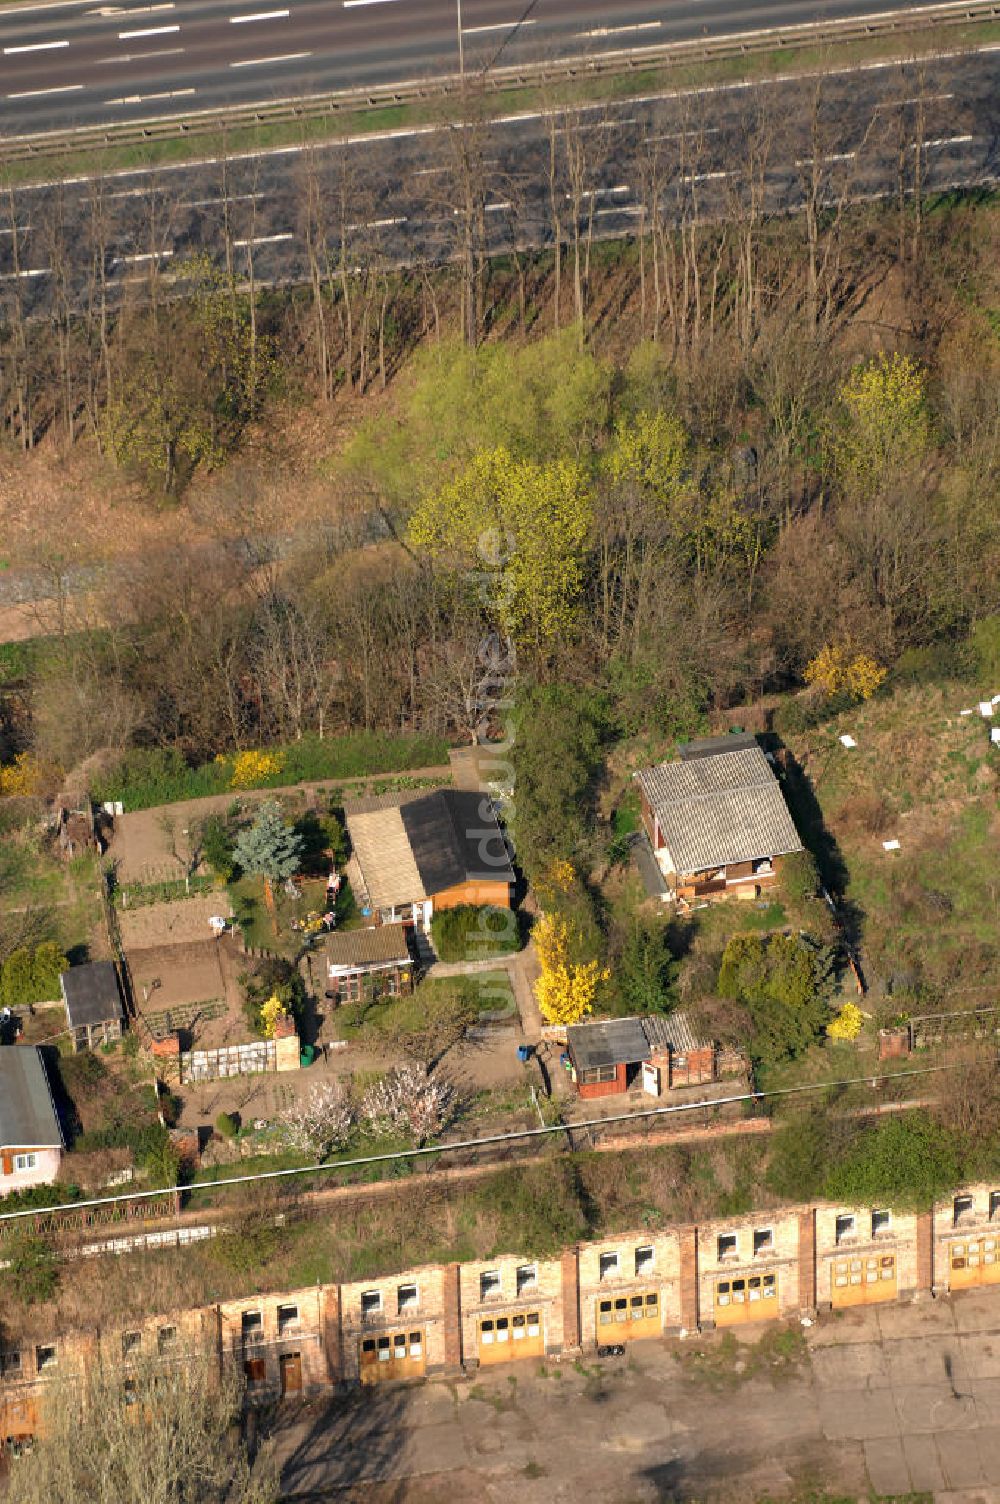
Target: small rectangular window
881 1222
45 1357
527 1278
598 1075
288 1317
963 1207
763 1240
728 1247
131 1343
25 1161
994 1204
252 1323
166 1338
371 1303
10 1365
645 1259
844 1227
407 1298
608 1265
489 1284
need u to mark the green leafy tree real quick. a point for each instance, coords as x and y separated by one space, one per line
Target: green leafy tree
269 849
784 981
47 964
17 979
645 974
556 757
651 457
884 429
528 524
217 844
799 876
540 401
907 1161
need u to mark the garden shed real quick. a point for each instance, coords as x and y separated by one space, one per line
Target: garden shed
363 963
94 1011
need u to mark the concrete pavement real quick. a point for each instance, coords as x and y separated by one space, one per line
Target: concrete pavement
404 187
75 62
898 1400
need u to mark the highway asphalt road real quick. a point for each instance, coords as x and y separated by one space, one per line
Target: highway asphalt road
690 151
87 62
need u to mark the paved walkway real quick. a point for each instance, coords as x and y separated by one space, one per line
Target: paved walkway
899 1400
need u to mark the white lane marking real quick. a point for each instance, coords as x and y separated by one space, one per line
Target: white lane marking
613 31
495 208
947 141
380 224
138 57
350 4
834 156
705 177
142 98
107 11
917 99
41 271
259 62
260 15
471 31
143 256
148 31
619 209
600 192
34 47
264 240
234 198
712 130
37 93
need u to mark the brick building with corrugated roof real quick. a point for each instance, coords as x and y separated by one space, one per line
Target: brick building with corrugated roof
717 820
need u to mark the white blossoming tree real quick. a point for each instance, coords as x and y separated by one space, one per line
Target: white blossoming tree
321 1121
411 1101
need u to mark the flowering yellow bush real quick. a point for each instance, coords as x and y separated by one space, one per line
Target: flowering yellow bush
252 768
864 675
565 990
834 669
24 776
271 1014
847 1024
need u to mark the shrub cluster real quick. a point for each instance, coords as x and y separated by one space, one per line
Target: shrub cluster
474 932
32 976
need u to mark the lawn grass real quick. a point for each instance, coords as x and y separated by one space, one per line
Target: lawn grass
928 915
33 877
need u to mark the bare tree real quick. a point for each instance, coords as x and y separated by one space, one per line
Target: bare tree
146 1433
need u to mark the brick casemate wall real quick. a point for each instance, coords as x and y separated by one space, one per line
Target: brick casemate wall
676 1278
570 1298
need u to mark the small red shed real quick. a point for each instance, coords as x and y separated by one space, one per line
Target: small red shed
658 1052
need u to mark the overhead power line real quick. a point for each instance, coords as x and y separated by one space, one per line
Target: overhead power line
517 1136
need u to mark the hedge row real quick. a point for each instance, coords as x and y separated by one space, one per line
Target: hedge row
146 777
